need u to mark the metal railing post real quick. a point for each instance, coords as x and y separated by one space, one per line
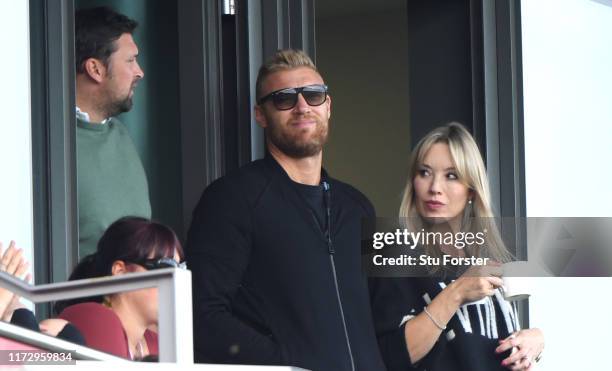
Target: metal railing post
174 295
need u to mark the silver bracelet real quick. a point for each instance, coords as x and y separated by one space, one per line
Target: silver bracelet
433 320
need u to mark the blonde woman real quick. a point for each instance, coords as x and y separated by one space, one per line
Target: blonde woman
453 320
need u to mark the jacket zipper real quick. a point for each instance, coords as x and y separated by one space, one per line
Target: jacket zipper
330 248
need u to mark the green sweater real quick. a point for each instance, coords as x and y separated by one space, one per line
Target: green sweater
111 180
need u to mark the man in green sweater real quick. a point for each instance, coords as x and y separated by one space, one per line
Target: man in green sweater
111 179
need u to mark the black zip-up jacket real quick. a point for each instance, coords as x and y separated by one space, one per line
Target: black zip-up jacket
264 289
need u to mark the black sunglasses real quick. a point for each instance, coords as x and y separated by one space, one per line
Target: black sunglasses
150 264
286 99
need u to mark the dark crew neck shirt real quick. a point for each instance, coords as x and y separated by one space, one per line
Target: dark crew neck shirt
313 195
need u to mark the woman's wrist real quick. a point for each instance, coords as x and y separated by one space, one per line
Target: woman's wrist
453 295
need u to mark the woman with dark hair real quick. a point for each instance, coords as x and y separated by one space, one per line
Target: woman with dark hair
129 245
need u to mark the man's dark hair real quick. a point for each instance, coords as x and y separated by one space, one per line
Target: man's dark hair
96 30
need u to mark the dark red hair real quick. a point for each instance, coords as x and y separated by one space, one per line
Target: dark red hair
131 240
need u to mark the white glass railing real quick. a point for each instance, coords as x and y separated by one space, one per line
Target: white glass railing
174 296
175 322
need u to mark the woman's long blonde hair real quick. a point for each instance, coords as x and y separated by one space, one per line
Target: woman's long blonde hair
471 172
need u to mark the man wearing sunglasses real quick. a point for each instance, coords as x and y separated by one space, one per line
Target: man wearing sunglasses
274 248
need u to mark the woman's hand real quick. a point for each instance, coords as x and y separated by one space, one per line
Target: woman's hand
52 326
478 282
528 343
11 262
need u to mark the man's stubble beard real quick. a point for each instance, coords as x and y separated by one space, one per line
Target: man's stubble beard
119 106
294 146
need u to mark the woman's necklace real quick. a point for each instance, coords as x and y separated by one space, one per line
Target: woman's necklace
139 351
139 348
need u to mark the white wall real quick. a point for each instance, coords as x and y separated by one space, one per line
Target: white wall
15 127
567 63
567 56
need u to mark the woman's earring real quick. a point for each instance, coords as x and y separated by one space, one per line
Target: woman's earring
467 215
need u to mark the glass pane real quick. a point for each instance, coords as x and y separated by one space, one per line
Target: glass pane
568 117
153 120
16 130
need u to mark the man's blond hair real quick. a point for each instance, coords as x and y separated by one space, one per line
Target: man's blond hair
285 59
